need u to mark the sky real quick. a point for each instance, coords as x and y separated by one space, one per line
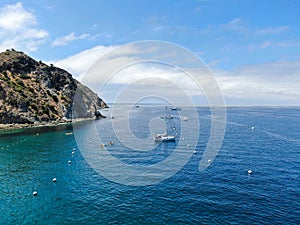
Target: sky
251 46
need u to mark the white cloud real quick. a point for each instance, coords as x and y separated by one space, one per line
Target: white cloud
265 44
272 30
240 26
19 29
77 64
235 25
288 44
197 9
268 83
275 83
142 76
251 48
69 38
14 17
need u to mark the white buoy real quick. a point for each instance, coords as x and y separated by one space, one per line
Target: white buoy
73 153
185 118
195 152
249 172
188 145
209 161
252 128
74 149
69 162
34 193
102 145
54 179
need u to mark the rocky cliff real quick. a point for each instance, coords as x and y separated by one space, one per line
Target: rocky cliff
33 92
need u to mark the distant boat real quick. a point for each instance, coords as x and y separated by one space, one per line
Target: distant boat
165 136
175 108
167 117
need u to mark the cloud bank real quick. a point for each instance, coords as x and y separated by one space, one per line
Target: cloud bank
19 29
273 83
78 64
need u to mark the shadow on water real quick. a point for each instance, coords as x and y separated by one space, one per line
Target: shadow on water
35 130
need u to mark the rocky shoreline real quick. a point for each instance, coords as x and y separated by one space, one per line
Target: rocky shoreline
15 126
35 94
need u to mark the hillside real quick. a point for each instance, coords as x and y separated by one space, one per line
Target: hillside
32 92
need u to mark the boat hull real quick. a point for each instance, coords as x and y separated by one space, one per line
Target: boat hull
164 138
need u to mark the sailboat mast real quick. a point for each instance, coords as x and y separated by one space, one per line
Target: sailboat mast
169 117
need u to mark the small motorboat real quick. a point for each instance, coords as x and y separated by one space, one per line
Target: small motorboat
175 108
167 117
164 137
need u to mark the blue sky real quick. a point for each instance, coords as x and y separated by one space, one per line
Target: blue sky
231 36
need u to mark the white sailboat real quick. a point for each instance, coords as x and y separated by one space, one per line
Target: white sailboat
165 136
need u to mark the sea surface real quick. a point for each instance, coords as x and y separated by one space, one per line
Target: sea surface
224 193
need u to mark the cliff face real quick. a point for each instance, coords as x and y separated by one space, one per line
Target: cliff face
31 91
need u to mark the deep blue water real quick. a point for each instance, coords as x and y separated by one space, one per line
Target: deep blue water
222 194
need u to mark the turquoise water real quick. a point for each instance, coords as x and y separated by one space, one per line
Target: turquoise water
222 194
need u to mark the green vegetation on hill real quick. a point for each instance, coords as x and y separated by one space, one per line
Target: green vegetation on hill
33 92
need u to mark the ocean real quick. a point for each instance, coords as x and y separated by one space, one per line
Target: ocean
224 193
